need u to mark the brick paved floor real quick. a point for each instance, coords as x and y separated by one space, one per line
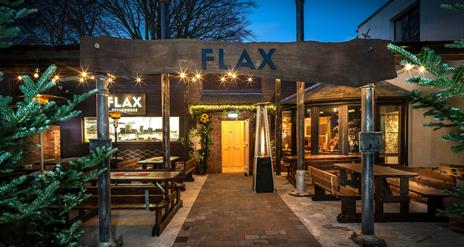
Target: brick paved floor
228 213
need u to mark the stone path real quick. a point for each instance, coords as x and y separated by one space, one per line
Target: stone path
228 213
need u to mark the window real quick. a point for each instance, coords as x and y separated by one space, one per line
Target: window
328 130
354 127
134 129
307 130
407 25
390 126
286 130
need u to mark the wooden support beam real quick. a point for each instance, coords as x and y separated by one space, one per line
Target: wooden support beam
278 126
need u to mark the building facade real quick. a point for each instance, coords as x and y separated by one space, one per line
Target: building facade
415 24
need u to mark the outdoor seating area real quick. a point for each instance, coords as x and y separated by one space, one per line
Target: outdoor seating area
211 123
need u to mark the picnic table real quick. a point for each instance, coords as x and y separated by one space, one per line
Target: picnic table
138 179
382 190
156 162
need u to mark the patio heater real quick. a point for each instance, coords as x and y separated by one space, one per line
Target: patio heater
115 115
263 174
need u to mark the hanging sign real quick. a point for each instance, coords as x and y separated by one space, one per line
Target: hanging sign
129 104
354 63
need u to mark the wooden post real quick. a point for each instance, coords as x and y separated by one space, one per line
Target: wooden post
343 146
278 126
165 94
186 119
166 112
314 130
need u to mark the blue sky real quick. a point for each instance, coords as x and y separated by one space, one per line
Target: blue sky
325 20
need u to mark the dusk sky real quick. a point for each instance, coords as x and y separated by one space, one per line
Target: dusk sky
325 20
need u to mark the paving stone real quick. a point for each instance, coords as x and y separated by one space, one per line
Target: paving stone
228 213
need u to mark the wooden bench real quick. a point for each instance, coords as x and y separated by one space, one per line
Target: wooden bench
128 164
433 196
137 196
189 167
324 182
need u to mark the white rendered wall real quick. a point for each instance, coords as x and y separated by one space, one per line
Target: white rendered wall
425 146
436 24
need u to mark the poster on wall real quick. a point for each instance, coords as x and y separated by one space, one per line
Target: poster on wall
128 104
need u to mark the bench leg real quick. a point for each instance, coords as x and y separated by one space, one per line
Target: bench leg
158 218
348 211
433 204
189 177
320 195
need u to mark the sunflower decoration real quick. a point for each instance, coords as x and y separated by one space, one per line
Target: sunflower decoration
204 118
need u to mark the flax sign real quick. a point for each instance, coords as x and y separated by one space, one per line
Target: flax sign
129 104
245 60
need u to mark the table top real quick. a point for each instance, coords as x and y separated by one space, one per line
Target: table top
147 176
156 160
378 170
324 156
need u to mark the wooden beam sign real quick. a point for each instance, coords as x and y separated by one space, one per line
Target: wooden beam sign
353 63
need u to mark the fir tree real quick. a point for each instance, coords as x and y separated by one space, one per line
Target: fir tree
9 14
34 206
447 82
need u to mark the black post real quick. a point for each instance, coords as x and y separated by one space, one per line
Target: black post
278 126
164 19
300 85
103 139
369 144
299 20
165 94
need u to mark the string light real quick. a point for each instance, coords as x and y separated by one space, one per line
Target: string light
408 66
182 75
84 74
56 78
421 69
19 77
81 80
222 80
138 80
36 73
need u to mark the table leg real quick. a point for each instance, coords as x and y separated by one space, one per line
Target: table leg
378 195
404 193
343 177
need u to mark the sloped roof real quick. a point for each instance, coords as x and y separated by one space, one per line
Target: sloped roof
327 92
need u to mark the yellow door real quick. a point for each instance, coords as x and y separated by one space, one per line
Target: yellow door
233 154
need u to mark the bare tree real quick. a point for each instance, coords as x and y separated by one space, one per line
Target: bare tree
61 22
197 19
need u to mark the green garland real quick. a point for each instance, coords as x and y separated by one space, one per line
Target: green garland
196 110
204 132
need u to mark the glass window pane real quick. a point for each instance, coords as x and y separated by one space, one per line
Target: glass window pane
389 126
354 127
134 129
328 130
286 131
